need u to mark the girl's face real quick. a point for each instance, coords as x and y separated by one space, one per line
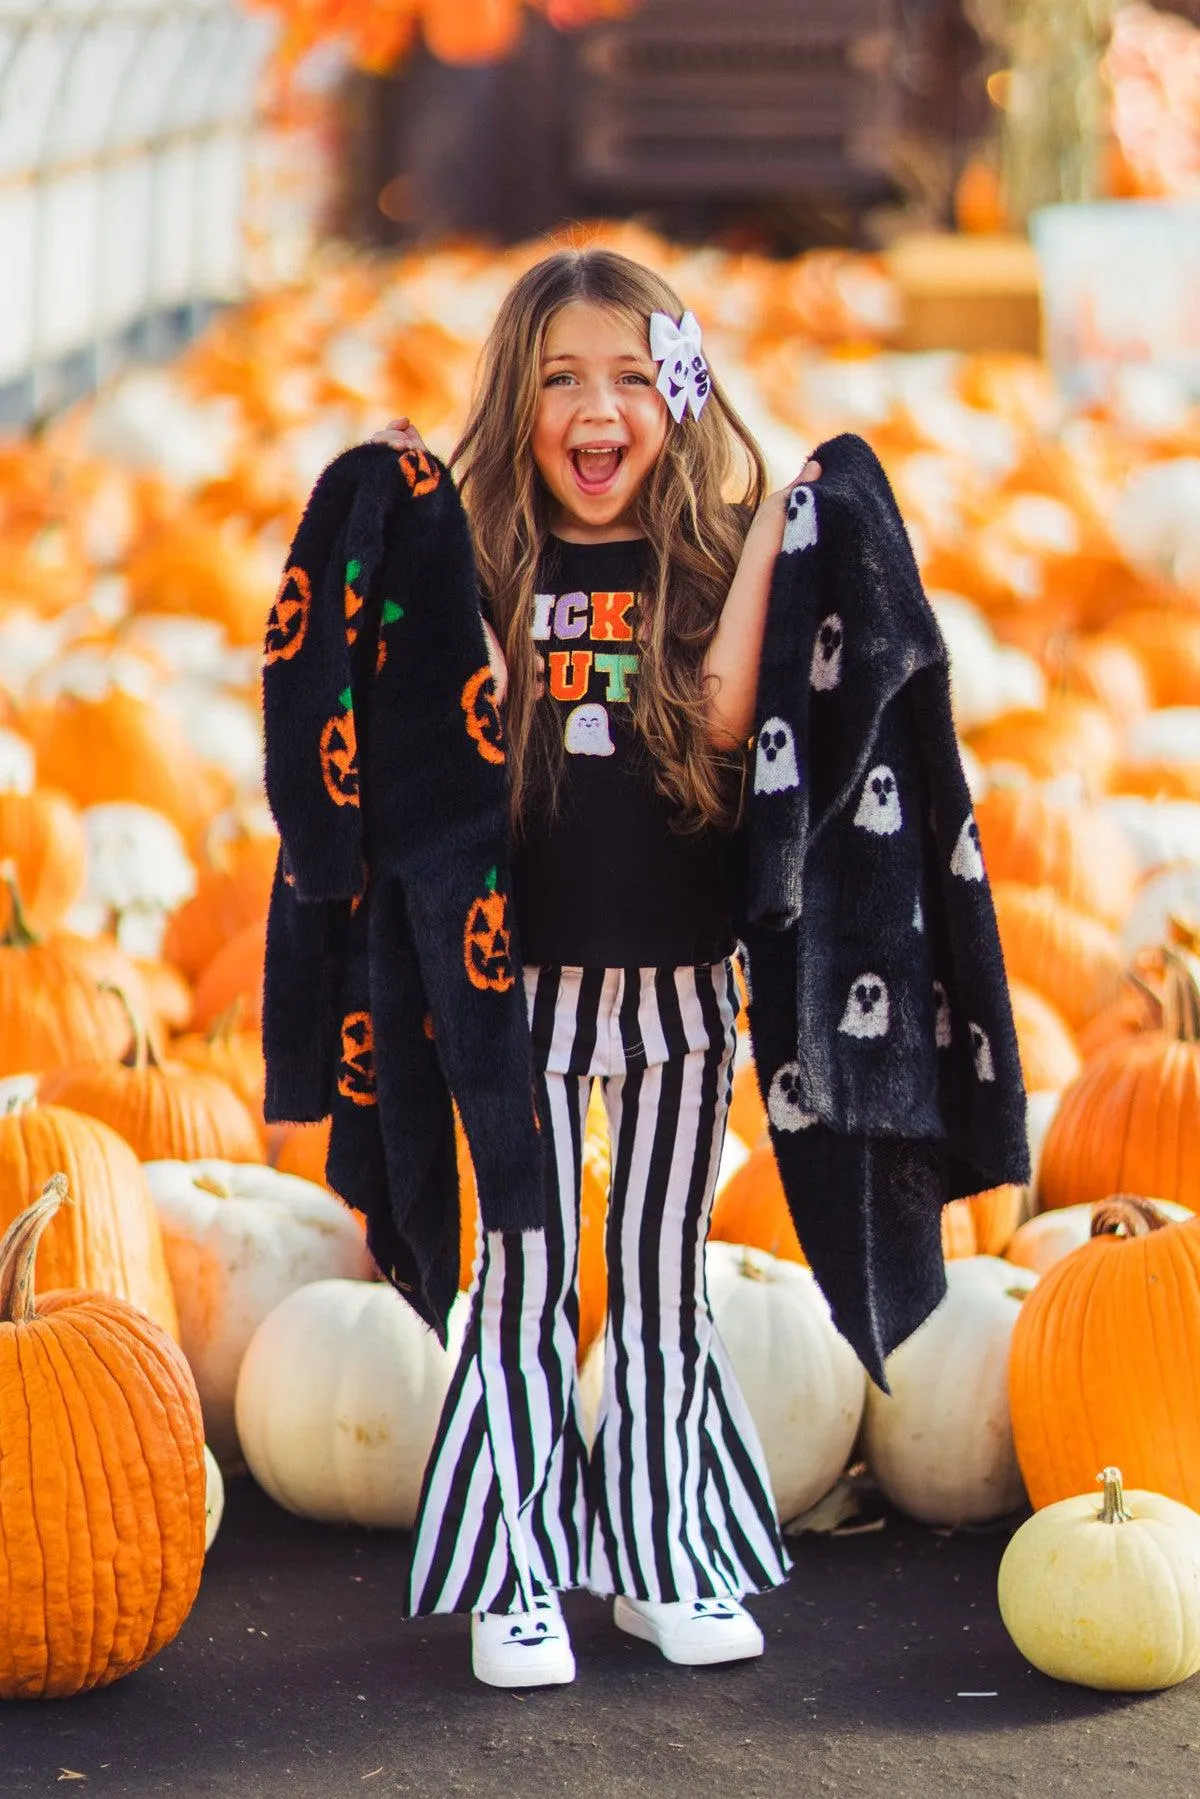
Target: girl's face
601 422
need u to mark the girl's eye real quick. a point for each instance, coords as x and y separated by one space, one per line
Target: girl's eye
560 379
638 380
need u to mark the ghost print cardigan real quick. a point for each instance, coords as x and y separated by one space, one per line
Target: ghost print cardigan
879 1010
391 981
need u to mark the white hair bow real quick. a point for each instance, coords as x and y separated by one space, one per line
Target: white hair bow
684 378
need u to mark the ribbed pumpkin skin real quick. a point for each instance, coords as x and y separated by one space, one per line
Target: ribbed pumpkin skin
110 1239
43 834
1130 1123
1028 837
1102 1368
102 1492
751 1209
52 1013
170 1113
1070 958
1048 1052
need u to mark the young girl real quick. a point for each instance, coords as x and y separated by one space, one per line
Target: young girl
629 597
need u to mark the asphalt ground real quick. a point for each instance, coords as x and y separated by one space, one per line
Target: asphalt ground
887 1675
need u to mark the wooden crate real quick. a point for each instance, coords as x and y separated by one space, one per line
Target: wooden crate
967 293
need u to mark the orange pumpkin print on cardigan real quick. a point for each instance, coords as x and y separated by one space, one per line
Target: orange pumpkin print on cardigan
339 755
422 475
356 1076
391 612
287 621
486 940
483 715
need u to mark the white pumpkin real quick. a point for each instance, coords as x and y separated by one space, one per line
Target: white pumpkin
136 856
238 1238
1049 1236
1172 891
940 1446
16 758
1106 1595
214 1497
801 1380
1040 1108
1159 831
339 1398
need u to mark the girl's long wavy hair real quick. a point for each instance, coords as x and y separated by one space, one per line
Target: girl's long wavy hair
695 536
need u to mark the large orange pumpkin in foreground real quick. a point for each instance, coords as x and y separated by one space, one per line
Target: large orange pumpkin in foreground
1103 1360
102 1446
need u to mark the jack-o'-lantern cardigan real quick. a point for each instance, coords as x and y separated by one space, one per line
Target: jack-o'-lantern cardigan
879 1012
391 981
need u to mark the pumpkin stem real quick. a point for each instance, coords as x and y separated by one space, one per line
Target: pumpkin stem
18 1251
143 1052
224 1024
1126 1212
18 934
1181 994
1113 1509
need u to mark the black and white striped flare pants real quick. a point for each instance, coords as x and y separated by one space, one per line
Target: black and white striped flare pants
673 1501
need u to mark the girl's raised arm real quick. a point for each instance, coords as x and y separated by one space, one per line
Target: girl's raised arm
731 665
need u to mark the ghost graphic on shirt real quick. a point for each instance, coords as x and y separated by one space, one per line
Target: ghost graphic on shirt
800 525
586 732
775 766
879 806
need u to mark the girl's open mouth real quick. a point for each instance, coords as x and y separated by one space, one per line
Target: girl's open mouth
596 470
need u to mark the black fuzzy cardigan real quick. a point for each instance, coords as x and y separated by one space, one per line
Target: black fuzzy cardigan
392 981
879 1013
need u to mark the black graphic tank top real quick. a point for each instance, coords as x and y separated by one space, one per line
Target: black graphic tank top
603 880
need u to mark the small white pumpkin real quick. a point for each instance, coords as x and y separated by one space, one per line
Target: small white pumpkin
1049 1236
214 1497
1106 1596
1040 1108
803 1384
238 1237
339 1398
940 1446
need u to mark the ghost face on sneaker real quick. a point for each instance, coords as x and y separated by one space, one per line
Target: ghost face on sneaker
600 424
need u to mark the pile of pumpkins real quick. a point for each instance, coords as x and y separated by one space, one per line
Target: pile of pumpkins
142 536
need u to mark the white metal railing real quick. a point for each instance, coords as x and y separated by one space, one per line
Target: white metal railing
125 130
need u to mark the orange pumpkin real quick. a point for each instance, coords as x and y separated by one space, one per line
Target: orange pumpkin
1069 957
1068 734
167 994
232 891
1049 1054
1027 835
112 1241
747 1114
234 1056
232 982
1167 643
303 1149
997 1214
486 943
52 1010
42 835
104 1479
960 1238
189 566
751 1208
1129 1121
1103 1358
164 1110
1104 669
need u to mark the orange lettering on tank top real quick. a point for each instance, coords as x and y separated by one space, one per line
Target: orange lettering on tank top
610 617
570 672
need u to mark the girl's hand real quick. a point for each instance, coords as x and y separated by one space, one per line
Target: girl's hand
773 510
399 434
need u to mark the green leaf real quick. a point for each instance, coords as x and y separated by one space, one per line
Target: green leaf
391 612
353 569
490 879
346 698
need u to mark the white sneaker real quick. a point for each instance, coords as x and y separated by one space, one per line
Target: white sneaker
694 1632
522 1649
